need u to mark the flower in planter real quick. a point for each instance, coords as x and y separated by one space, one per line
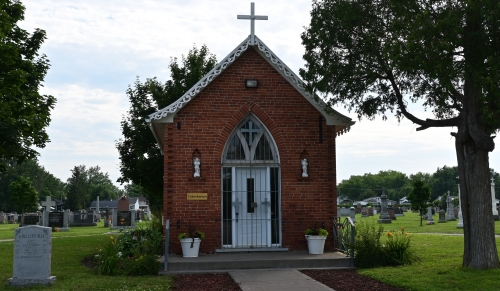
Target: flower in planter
316 231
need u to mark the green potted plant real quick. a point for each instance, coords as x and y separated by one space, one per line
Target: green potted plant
190 242
316 237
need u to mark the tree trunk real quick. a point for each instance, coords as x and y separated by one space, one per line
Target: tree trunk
473 142
480 251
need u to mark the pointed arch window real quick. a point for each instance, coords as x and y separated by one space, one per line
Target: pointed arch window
250 143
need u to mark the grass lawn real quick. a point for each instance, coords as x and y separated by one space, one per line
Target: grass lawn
439 269
68 251
411 222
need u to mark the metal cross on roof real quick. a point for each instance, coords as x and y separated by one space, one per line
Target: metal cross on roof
252 17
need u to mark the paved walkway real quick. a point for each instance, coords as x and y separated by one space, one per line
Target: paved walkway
276 279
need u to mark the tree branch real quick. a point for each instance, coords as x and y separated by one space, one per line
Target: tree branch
424 124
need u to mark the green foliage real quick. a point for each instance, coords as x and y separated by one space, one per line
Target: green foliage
24 195
134 252
370 251
444 180
85 185
397 248
192 233
370 185
108 258
44 182
140 159
419 196
24 113
316 231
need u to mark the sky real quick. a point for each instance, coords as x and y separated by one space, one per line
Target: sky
98 48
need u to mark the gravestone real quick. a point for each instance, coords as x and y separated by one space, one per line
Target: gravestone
370 211
442 216
10 219
460 223
404 209
83 218
123 219
384 215
353 214
32 256
106 217
345 211
2 218
398 212
449 208
71 217
65 226
430 220
123 204
31 219
47 204
493 201
391 212
56 219
358 208
364 212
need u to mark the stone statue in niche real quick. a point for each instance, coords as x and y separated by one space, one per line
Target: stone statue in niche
196 163
304 164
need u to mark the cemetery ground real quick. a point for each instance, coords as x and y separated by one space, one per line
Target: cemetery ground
439 269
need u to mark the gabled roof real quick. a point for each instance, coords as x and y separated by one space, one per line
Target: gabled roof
167 114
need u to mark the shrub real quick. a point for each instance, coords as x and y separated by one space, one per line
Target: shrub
135 252
108 259
368 250
397 248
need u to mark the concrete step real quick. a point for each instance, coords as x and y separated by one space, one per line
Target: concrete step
255 260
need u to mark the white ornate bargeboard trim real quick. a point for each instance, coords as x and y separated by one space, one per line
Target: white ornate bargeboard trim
219 68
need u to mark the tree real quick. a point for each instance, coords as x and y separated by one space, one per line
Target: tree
45 183
444 180
419 197
85 185
396 183
24 196
377 56
24 113
77 188
140 159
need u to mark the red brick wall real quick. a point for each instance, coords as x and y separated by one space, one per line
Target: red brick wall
206 124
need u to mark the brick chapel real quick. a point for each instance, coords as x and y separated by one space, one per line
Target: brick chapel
249 156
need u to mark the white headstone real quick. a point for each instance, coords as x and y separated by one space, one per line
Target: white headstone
430 220
493 201
460 217
47 204
32 256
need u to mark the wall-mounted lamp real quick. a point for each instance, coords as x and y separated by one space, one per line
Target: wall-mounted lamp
251 83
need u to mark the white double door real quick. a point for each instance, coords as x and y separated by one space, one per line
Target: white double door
251 211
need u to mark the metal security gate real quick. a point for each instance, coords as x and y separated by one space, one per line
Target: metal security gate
250 189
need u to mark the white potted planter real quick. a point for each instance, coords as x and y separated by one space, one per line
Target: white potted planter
190 247
190 243
316 240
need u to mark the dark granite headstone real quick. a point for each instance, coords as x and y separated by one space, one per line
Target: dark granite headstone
31 219
124 218
56 219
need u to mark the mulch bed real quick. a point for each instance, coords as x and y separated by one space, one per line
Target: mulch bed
348 280
339 280
208 282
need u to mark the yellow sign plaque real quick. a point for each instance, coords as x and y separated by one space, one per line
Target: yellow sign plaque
197 196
